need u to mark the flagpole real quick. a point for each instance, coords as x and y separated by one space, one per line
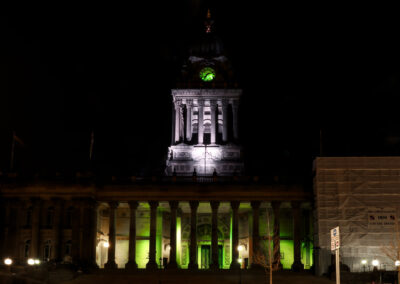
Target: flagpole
12 152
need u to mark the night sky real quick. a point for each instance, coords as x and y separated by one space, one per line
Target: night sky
304 70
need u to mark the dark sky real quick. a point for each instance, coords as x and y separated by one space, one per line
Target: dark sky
65 70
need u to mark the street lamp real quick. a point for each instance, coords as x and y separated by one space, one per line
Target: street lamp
364 263
8 261
31 261
37 261
106 244
375 264
397 263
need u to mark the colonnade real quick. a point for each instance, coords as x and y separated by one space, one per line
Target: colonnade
255 235
183 126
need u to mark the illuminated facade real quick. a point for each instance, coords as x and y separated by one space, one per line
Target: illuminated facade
205 125
203 215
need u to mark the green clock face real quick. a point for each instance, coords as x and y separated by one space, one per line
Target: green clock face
207 74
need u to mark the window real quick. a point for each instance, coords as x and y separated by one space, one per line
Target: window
29 217
50 217
27 248
47 250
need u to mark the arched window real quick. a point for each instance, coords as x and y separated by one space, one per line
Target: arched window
47 250
50 217
27 248
29 217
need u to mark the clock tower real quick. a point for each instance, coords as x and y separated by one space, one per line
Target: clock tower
205 121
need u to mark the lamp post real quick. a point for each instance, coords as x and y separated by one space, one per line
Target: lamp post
375 264
363 262
397 263
8 261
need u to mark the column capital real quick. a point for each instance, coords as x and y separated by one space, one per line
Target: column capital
235 103
213 103
194 205
255 204
295 204
153 204
177 104
235 205
224 103
173 205
133 204
214 205
276 205
113 204
189 102
200 102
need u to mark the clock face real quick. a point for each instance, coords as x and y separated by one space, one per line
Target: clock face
207 74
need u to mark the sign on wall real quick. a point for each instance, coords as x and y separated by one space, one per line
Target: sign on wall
379 218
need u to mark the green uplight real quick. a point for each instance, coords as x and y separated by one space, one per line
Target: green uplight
207 74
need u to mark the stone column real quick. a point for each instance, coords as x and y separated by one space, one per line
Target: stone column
225 120
276 238
213 108
111 264
214 235
194 205
75 226
235 106
297 265
177 121
255 205
35 238
5 218
235 235
92 210
172 252
200 122
152 264
131 264
189 104
57 228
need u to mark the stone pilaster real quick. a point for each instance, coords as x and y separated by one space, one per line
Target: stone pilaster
172 252
213 108
194 205
152 264
235 107
57 228
276 238
35 238
235 235
131 264
200 120
177 121
297 265
214 235
225 104
111 264
189 104
255 205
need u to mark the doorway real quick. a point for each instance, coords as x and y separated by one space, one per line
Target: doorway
205 256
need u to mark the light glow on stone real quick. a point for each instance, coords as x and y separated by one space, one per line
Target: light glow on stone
397 263
37 261
106 244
